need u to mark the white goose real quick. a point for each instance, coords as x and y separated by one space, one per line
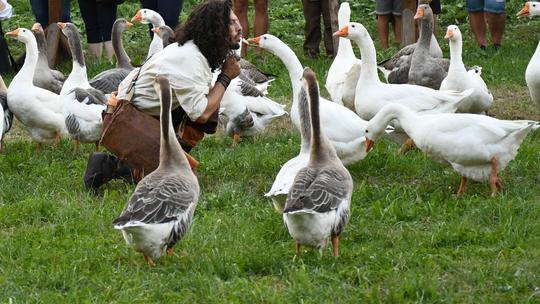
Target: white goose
246 111
341 125
6 116
476 146
460 79
39 110
83 104
342 64
372 94
532 73
318 204
160 211
146 16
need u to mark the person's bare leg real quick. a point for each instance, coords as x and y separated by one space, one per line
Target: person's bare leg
496 24
260 24
397 28
240 8
382 27
478 26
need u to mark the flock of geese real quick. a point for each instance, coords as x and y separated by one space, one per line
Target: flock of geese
416 107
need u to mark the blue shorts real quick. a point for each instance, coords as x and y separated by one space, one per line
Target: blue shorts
386 7
490 6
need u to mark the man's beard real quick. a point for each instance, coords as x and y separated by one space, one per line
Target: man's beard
235 46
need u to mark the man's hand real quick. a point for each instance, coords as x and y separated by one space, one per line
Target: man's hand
231 67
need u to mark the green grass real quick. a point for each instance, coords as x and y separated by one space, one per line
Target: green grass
409 238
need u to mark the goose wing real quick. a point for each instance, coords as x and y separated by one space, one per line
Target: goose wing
158 200
108 81
318 189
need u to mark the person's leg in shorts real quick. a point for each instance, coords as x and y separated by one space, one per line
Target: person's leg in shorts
477 20
495 14
386 10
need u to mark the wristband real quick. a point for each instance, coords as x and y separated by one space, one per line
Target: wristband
224 80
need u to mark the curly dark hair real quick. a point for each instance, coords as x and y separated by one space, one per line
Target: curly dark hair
208 27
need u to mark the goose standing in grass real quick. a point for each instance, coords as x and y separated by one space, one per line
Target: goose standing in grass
532 73
6 115
372 94
44 76
39 110
146 16
478 147
285 177
343 128
83 104
342 64
160 211
165 33
426 70
109 80
460 79
318 203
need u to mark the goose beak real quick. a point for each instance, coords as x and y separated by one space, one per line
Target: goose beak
419 14
255 40
524 12
343 32
155 30
129 24
369 144
14 33
61 25
137 17
449 34
35 27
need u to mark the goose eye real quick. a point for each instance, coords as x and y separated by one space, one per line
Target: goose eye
264 38
353 26
534 5
367 131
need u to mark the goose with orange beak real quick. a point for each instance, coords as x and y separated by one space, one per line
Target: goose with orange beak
460 79
146 16
39 110
477 147
532 73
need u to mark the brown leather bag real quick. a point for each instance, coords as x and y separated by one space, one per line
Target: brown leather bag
133 136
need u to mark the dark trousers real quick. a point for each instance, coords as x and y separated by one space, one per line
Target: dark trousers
98 20
168 9
312 30
40 8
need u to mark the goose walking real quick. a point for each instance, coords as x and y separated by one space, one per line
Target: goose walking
318 203
478 147
160 211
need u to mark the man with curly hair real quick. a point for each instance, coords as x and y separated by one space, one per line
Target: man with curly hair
204 44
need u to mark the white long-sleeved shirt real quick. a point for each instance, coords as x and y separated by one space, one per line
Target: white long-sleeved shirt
189 75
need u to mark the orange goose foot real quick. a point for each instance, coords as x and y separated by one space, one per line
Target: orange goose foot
149 260
494 181
407 146
236 139
462 186
298 248
335 245
170 251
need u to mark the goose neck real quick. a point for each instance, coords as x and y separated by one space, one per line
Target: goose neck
305 124
345 49
27 70
369 60
456 59
171 154
118 46
426 31
293 66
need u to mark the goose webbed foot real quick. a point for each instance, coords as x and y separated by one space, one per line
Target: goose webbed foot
149 261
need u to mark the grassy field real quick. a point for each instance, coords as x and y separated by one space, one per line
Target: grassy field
409 238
